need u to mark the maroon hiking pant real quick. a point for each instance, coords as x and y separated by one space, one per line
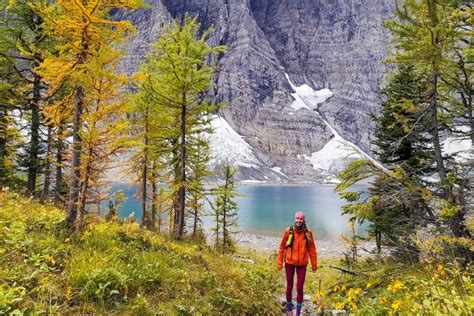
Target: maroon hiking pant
300 275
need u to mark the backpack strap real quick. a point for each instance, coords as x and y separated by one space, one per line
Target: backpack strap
291 237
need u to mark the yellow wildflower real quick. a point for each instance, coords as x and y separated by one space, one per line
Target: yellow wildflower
352 293
368 285
353 306
398 285
441 271
339 306
49 259
42 283
395 286
68 294
396 304
383 300
67 239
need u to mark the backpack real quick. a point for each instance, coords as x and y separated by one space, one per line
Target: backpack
291 237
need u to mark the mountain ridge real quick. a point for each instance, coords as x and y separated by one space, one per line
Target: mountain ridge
329 44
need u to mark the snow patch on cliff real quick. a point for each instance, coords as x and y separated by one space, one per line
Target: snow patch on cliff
338 151
333 156
306 97
278 170
227 144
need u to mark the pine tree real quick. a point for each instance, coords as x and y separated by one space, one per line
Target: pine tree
428 35
28 44
423 37
84 31
144 161
199 161
176 77
402 125
114 205
9 132
225 211
419 108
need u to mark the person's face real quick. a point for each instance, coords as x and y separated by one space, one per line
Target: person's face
299 220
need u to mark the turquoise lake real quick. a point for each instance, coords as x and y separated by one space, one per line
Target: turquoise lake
268 210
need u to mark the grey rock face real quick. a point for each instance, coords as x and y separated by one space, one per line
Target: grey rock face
334 44
326 43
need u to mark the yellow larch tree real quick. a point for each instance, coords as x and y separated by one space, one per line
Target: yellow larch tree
105 124
84 30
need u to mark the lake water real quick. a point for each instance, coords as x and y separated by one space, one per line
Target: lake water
268 210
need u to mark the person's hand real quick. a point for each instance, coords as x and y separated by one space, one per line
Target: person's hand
314 270
279 267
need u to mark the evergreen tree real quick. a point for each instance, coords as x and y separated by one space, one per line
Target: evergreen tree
418 110
150 143
23 43
9 132
225 211
199 160
114 205
402 125
176 76
423 37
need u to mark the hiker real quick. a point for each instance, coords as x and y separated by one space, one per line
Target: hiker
295 247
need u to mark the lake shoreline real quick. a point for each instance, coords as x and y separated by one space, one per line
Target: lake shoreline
270 244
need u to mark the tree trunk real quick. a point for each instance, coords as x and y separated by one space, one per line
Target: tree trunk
182 190
145 171
195 203
74 187
174 219
466 93
59 167
82 203
47 169
33 160
153 205
85 187
75 182
3 145
217 227
378 241
435 134
469 113
153 199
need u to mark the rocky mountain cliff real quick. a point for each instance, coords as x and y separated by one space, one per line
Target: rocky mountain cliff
332 44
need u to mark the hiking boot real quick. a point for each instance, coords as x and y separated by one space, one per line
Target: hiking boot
289 308
298 309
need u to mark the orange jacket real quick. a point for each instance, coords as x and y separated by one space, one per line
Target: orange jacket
297 254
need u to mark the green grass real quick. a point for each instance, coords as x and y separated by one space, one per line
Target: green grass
120 268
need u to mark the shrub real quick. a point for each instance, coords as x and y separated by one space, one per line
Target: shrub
10 298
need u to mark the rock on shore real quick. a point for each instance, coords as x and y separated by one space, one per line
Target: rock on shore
269 244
